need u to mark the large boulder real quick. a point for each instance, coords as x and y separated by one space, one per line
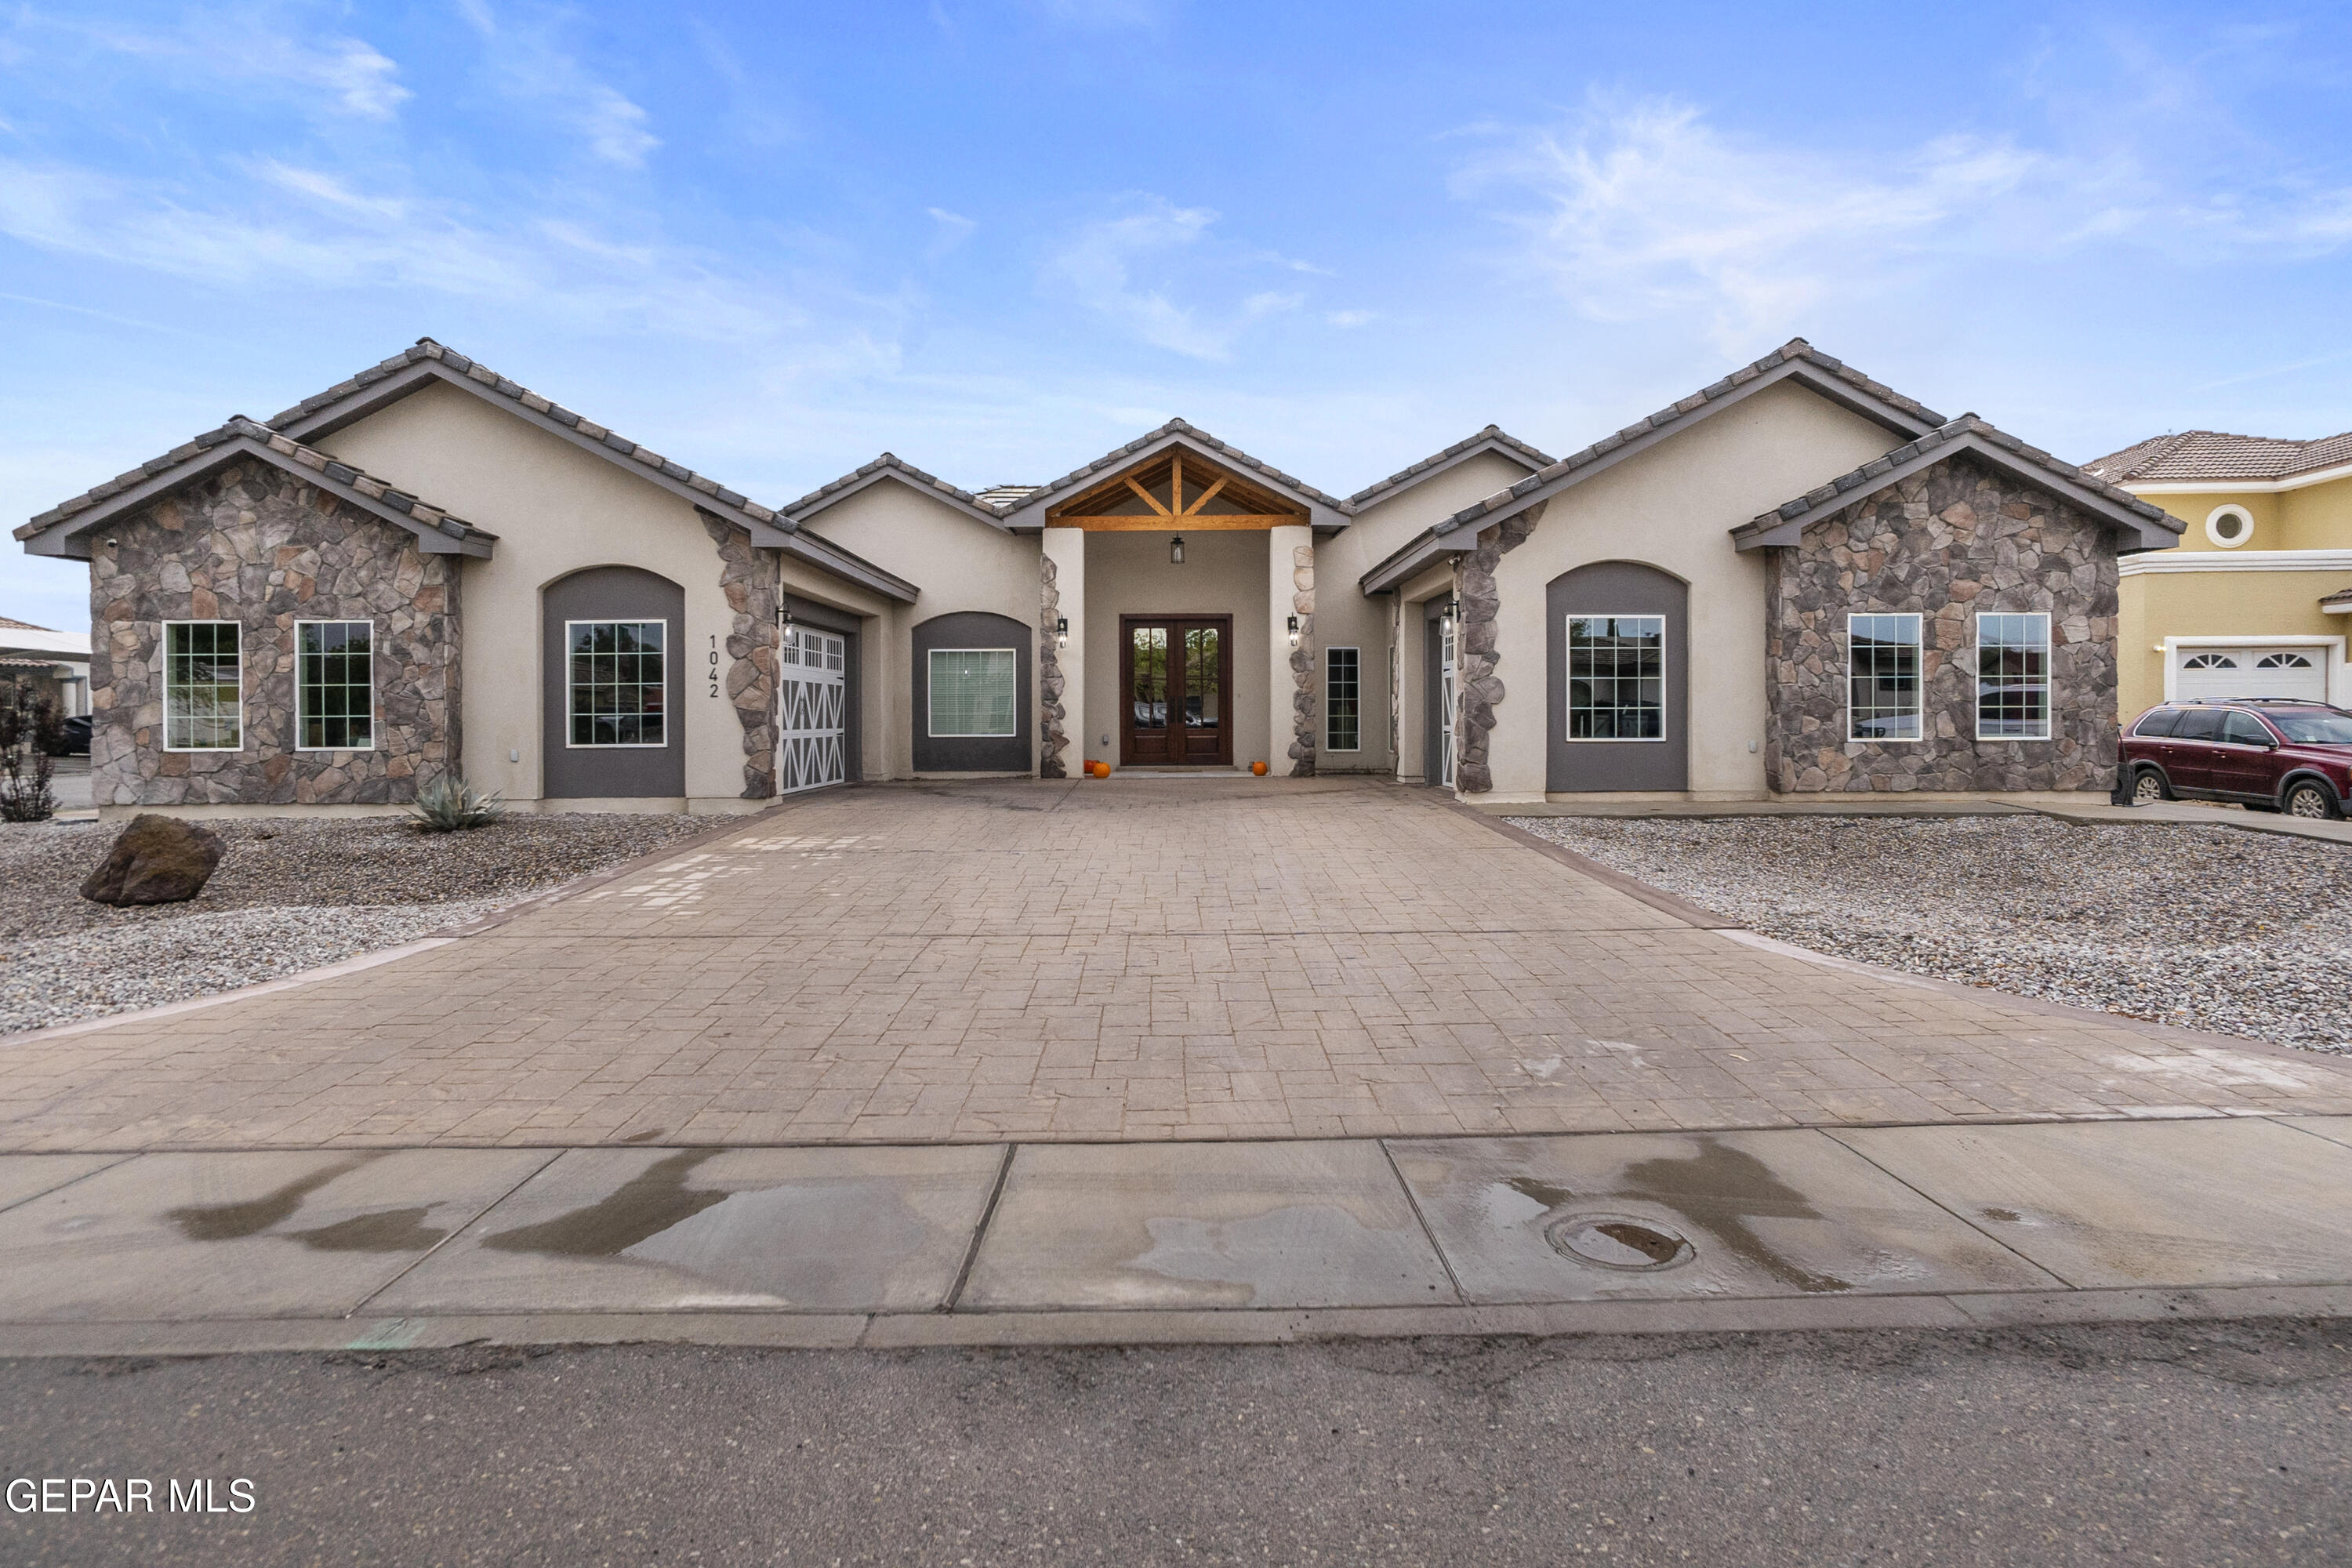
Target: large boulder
156 860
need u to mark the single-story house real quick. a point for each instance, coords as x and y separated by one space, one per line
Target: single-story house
2254 602
1793 581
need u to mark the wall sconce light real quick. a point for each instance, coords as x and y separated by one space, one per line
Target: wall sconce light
1445 620
1062 632
1176 551
1294 634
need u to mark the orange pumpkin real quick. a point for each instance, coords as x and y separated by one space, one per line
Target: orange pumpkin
1258 768
1099 768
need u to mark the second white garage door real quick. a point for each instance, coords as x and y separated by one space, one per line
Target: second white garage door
2224 672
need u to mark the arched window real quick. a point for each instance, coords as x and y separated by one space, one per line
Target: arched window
2209 661
2282 661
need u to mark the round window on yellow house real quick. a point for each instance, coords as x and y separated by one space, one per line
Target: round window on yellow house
2229 526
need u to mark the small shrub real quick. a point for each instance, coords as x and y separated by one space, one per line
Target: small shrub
449 805
29 735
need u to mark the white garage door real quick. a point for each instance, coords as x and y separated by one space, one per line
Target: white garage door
2224 672
811 710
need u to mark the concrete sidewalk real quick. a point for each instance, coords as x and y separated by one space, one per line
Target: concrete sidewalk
1070 1242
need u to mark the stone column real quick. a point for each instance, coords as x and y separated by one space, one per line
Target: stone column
1062 671
1292 704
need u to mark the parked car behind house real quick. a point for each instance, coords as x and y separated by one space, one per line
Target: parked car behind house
2269 754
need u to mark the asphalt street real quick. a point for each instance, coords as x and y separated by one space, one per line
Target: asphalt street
2205 1443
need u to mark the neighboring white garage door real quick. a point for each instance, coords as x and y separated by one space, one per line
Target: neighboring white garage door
2222 672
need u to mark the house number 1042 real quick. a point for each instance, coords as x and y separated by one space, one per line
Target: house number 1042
714 664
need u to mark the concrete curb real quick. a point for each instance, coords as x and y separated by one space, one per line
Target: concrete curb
929 1330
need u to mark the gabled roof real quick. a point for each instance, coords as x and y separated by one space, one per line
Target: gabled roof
2199 454
1493 439
62 530
2147 526
427 362
1796 360
1323 511
885 468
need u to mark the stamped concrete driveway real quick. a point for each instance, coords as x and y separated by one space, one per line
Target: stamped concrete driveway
1138 958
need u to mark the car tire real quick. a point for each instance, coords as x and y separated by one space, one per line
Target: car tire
2312 801
2149 788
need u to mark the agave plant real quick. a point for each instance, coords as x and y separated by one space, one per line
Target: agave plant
449 805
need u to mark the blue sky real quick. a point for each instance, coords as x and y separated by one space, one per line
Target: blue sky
999 239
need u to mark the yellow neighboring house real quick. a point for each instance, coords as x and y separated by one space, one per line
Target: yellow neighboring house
2256 599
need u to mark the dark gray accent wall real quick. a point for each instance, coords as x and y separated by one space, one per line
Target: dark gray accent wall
601 773
1617 588
971 628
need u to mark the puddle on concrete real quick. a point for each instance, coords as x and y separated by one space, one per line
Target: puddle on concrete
1719 1189
2008 1215
1617 1241
235 1221
393 1230
1544 1192
643 1208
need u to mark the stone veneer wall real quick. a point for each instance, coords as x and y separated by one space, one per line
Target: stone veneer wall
258 546
1951 541
1477 690
750 579
1303 739
1051 682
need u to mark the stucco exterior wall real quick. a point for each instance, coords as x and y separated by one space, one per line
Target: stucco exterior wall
1673 507
2155 605
558 509
1955 541
1344 618
958 561
1224 573
256 546
2310 517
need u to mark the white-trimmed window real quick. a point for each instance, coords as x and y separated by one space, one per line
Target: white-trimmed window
2012 677
204 686
619 683
973 693
1882 678
1616 678
1343 686
334 686
2229 526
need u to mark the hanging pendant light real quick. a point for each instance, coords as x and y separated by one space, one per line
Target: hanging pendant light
1176 551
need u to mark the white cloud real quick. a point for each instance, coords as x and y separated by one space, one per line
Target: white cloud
241 51
1102 260
527 64
949 231
1648 210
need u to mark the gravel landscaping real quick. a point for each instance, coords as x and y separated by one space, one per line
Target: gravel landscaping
2209 927
290 895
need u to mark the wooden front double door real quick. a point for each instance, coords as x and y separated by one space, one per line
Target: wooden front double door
1178 674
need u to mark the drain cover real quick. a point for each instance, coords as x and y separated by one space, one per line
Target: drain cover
1619 1241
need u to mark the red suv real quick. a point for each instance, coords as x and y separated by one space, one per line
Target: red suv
2269 753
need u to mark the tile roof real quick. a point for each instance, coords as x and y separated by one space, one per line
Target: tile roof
2341 596
888 462
1795 352
1494 434
1004 495
2217 455
1193 433
426 349
10 623
421 513
1875 475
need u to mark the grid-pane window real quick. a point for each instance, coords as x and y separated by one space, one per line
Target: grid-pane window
204 687
973 691
620 683
1616 678
1883 677
334 686
2012 677
1342 691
